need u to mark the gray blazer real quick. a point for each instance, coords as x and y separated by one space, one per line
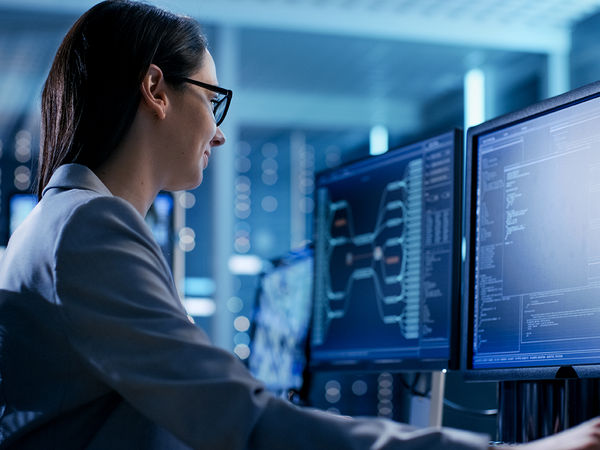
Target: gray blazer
97 352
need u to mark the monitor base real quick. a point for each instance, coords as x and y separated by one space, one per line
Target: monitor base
529 410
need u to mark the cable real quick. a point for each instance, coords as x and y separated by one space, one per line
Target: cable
412 388
472 411
463 409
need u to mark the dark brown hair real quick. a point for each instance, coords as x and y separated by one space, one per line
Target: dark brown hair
92 92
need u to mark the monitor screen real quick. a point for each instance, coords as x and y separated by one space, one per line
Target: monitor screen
387 259
533 266
19 206
160 219
280 324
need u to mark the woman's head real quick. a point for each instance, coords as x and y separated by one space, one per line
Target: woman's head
92 94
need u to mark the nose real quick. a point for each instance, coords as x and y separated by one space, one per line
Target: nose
218 139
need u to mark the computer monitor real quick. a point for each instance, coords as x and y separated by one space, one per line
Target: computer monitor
160 218
532 230
280 323
387 260
19 206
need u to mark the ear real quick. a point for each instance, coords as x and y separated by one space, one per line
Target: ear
154 93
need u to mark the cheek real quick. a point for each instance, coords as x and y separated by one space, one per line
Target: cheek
205 124
199 129
209 129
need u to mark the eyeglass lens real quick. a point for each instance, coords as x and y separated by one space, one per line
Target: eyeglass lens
219 107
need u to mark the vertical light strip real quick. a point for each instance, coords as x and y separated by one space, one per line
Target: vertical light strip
474 92
558 70
178 254
474 97
297 167
378 140
223 179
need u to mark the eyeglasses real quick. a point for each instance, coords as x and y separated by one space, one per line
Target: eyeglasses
220 103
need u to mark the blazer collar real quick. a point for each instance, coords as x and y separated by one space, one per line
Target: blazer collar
76 176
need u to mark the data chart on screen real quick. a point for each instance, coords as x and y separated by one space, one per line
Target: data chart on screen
384 257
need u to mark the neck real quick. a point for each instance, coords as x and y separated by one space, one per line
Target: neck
134 190
130 175
135 170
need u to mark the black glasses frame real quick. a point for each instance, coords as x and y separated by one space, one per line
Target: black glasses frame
216 102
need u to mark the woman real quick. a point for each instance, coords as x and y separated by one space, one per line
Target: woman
95 347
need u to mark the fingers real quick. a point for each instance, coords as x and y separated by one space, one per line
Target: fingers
585 436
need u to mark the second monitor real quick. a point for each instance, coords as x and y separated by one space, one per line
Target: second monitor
532 272
387 259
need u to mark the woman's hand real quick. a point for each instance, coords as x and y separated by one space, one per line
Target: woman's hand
585 436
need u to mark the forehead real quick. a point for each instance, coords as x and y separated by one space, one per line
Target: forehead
207 72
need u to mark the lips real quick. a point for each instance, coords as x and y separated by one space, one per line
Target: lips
205 157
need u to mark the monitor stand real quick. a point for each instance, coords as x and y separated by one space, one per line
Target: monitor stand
428 411
529 410
438 383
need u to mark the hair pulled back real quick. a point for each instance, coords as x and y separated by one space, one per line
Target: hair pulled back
92 92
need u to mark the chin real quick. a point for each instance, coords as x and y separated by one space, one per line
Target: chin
186 185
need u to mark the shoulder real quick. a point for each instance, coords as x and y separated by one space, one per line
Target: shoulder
103 227
99 208
104 218
105 243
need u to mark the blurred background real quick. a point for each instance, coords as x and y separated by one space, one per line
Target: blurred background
316 83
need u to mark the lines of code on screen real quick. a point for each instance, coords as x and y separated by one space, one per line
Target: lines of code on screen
537 242
383 253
